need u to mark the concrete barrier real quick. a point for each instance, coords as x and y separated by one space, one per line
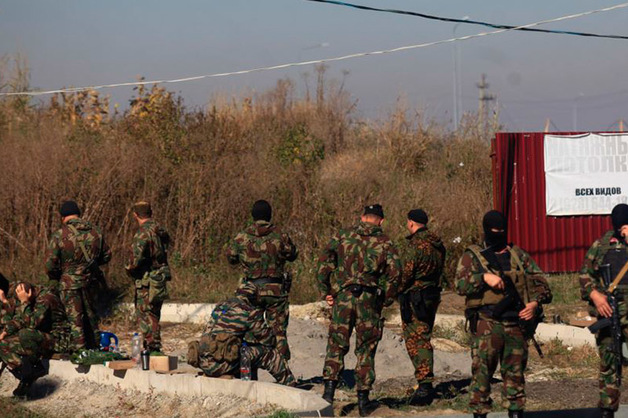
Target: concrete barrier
297 401
199 313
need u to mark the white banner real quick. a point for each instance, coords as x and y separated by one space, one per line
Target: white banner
585 174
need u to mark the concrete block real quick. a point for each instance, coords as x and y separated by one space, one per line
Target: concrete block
298 401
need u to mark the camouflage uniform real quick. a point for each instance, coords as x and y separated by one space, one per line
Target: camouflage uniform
607 250
36 329
8 309
420 282
148 265
231 323
499 340
262 250
360 268
66 263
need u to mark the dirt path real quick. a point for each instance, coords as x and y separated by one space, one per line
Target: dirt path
564 379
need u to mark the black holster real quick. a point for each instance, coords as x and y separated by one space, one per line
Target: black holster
414 303
473 316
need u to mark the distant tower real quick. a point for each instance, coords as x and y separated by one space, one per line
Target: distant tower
483 105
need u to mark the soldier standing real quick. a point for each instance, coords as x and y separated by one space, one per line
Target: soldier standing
148 265
218 351
262 250
419 297
611 249
73 258
358 274
37 329
496 324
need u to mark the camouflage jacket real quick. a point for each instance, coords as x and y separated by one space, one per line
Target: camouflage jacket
262 250
149 250
7 310
239 317
470 276
44 313
590 277
424 261
64 258
362 255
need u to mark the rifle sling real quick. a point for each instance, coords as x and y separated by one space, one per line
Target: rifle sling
81 244
618 278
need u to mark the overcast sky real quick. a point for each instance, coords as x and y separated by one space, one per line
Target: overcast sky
535 76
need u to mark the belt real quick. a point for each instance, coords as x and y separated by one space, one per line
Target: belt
265 280
355 288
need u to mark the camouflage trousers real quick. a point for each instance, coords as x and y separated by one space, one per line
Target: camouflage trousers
607 378
277 314
82 318
498 342
26 343
148 316
417 335
363 313
267 358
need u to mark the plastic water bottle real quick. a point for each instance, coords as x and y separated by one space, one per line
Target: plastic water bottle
136 348
245 362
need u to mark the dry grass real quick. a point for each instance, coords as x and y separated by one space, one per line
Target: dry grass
310 157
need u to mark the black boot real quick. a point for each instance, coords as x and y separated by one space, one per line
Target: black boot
515 414
607 413
330 390
479 415
363 403
423 395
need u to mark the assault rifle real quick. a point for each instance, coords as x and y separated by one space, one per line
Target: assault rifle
512 301
612 322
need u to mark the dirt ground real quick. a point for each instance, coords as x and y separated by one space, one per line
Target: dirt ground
566 378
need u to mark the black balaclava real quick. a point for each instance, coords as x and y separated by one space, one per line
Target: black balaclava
619 216
495 220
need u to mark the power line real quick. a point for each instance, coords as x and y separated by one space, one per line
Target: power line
471 22
304 63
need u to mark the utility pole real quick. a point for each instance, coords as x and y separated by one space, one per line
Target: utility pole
483 105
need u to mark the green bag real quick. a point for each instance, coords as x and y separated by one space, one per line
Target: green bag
158 291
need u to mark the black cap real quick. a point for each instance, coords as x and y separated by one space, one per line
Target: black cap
262 211
69 207
375 209
418 216
4 285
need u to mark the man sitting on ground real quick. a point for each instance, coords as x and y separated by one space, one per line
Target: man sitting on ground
36 331
218 351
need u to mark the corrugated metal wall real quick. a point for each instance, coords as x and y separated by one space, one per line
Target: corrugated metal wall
558 244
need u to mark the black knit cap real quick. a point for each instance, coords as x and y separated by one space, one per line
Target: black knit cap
4 284
418 215
262 211
69 207
619 216
375 209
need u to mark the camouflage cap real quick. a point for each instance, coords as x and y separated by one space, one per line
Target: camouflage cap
143 209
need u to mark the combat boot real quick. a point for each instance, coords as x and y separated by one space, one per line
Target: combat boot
475 415
607 413
193 355
364 404
330 390
515 414
423 395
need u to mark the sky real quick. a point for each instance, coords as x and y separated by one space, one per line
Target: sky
578 83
